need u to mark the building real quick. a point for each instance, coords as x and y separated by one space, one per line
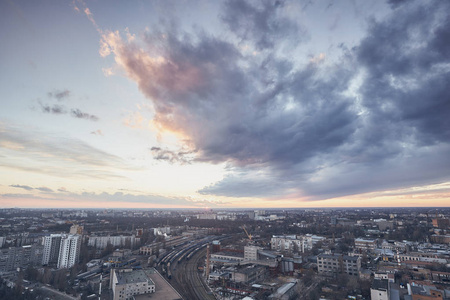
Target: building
441 223
424 292
251 252
331 264
215 246
442 239
51 248
76 229
162 231
285 292
365 244
207 216
127 283
101 242
227 257
379 289
384 224
13 258
69 251
249 274
294 243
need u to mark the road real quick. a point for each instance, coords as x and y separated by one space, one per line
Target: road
187 280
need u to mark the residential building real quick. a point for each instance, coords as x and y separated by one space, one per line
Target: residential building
69 251
294 243
100 242
51 248
365 244
13 258
330 264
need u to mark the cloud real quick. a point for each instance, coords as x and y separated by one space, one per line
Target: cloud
64 198
45 189
181 156
59 94
29 188
375 118
261 22
30 150
54 109
25 187
76 113
97 132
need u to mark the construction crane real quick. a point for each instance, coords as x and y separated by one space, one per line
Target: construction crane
248 235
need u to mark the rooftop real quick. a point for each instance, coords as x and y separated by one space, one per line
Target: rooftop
134 276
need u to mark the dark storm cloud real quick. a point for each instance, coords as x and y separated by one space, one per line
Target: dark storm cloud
260 22
375 119
396 3
408 77
76 113
59 94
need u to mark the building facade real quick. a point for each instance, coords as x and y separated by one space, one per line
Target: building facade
127 283
51 244
13 258
331 264
69 251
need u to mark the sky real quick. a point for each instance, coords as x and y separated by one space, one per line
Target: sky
217 104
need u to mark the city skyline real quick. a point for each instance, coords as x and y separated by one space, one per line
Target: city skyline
230 104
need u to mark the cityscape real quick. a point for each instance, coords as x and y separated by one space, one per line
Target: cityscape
370 253
225 149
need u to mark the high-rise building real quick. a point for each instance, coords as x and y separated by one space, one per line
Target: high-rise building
61 250
69 251
51 249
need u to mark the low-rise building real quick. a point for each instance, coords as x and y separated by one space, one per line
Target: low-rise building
295 243
127 283
251 252
365 244
330 264
285 292
379 289
249 274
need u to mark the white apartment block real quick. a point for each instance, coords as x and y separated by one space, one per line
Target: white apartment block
127 283
69 251
51 248
290 242
61 249
100 242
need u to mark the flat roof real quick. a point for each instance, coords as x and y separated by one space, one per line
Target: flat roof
336 256
134 276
